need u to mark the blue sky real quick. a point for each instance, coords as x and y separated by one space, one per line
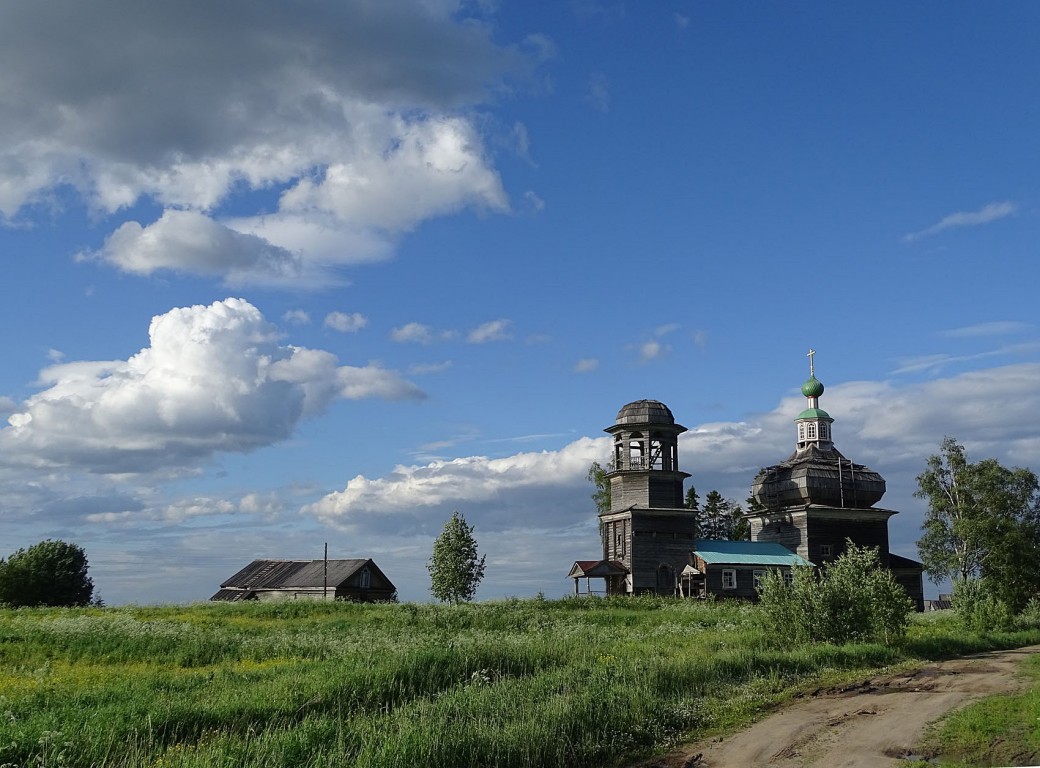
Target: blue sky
286 275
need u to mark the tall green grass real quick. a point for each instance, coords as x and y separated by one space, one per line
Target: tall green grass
513 683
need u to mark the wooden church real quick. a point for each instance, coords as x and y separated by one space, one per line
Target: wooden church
811 503
816 499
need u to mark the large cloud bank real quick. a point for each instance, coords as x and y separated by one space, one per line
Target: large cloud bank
358 114
892 429
526 484
213 378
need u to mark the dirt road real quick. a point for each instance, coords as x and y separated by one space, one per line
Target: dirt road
873 723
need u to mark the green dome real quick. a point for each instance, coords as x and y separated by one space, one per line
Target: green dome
813 387
814 413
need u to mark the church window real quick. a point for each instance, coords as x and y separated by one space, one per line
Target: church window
729 578
810 430
825 430
801 431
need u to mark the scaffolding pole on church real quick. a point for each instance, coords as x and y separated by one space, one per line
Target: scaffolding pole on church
841 485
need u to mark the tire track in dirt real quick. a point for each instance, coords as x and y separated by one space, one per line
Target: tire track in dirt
875 722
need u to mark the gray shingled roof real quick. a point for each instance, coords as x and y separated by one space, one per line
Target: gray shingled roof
817 475
234 595
645 412
898 561
287 574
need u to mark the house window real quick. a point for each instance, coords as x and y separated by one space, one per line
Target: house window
366 579
759 575
826 550
729 578
788 578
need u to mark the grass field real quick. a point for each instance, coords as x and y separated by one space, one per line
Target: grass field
576 682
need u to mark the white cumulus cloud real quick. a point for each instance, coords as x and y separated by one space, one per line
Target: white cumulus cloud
417 333
213 378
470 480
652 349
191 242
891 429
344 322
493 330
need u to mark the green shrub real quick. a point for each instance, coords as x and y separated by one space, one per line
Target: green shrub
48 573
851 599
980 608
1029 618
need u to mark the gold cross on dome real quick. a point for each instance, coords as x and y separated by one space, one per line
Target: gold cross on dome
812 371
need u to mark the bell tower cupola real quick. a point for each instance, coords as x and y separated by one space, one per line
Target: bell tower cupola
646 457
814 423
817 473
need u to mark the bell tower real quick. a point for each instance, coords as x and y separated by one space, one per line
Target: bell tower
646 457
647 528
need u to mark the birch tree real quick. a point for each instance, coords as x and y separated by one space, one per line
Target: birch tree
983 522
456 568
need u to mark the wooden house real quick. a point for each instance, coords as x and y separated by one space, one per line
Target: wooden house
735 568
360 580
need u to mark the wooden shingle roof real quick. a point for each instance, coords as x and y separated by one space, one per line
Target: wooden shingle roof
288 574
898 561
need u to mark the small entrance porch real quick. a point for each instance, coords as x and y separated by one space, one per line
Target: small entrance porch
613 573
